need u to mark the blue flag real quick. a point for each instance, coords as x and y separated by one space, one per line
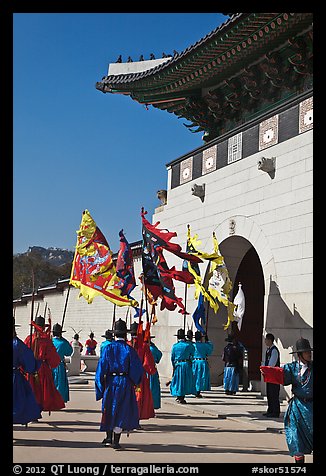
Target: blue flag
200 315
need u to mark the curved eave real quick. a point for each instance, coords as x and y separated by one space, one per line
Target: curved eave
110 83
233 43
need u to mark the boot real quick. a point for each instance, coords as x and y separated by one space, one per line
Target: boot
116 439
108 440
299 459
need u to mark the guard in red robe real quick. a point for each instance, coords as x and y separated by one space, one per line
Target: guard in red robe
91 344
143 391
46 394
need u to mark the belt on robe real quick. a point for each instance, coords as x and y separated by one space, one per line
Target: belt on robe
120 374
200 358
187 360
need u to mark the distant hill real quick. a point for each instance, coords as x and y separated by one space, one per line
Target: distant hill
48 264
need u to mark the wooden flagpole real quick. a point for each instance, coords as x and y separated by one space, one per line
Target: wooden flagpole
141 305
147 316
113 319
32 310
38 307
65 308
207 314
185 314
46 305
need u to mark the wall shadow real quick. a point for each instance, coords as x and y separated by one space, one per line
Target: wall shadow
289 323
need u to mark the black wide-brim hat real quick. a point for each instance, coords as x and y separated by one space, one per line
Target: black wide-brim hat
302 345
180 334
133 328
108 334
190 334
40 321
57 328
120 326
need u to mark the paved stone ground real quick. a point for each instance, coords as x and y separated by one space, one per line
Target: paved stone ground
215 429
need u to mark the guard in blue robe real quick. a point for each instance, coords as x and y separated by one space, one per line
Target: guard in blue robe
298 418
200 365
25 406
232 357
64 349
154 380
118 370
181 357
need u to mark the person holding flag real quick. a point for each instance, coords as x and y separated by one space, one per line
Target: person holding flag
154 379
118 370
200 365
182 353
47 396
25 406
60 373
232 357
143 392
298 418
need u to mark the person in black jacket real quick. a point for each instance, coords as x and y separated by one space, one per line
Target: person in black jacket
232 357
272 359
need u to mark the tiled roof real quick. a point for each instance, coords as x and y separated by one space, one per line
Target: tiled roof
127 78
244 65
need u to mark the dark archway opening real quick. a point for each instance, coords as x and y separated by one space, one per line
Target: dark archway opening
250 274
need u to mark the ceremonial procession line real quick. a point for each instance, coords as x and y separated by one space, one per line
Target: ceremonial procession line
216 429
126 378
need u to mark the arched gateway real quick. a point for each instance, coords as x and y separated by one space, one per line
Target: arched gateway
249 260
244 264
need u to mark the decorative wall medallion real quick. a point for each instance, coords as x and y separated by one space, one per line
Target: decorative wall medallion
209 160
235 148
186 170
306 115
268 132
232 224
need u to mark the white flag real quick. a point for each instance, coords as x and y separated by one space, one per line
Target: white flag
240 303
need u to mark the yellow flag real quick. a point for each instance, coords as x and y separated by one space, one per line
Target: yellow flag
219 282
192 248
93 271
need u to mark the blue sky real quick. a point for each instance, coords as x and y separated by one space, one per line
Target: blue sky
77 148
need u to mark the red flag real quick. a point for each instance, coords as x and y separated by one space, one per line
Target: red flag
162 238
125 267
272 374
158 276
